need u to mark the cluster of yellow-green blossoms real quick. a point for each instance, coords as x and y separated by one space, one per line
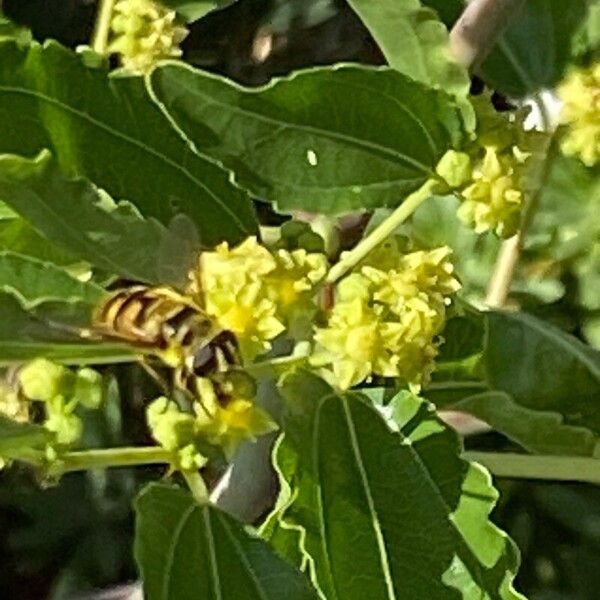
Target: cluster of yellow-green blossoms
257 293
213 422
61 391
494 198
387 322
580 93
143 33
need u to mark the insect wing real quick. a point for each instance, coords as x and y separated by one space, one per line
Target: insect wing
179 249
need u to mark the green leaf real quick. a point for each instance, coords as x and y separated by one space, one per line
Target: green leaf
329 139
536 48
107 130
529 385
15 437
192 10
34 282
6 214
18 236
543 368
25 336
72 213
12 31
402 505
186 551
567 221
414 42
539 432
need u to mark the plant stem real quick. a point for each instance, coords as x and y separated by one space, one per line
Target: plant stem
556 468
114 457
196 485
102 28
384 230
479 27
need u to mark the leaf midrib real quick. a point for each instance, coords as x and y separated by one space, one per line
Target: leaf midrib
107 128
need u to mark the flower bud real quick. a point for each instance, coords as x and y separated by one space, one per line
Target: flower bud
43 379
455 168
88 389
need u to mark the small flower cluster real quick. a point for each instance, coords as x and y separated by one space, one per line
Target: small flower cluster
580 93
223 416
492 177
257 293
144 32
387 318
60 390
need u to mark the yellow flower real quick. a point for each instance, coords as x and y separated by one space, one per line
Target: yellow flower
580 93
493 201
176 431
257 294
144 32
225 422
169 425
386 323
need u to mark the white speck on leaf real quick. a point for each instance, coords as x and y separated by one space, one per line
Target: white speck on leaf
312 158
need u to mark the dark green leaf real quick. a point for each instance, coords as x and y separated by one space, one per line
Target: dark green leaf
21 436
414 42
401 505
107 130
328 140
537 47
539 432
532 381
186 551
543 368
72 213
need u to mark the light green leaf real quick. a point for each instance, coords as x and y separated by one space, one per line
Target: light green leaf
34 282
414 42
400 504
15 437
192 10
25 336
6 214
73 214
186 551
536 48
329 139
107 130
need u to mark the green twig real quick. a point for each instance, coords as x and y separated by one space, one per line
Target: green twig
102 27
196 485
382 232
552 468
83 460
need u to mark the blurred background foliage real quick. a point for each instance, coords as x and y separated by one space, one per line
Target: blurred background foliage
70 538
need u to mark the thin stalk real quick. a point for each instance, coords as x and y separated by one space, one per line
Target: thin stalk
552 468
510 251
382 232
478 29
83 460
102 27
197 486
